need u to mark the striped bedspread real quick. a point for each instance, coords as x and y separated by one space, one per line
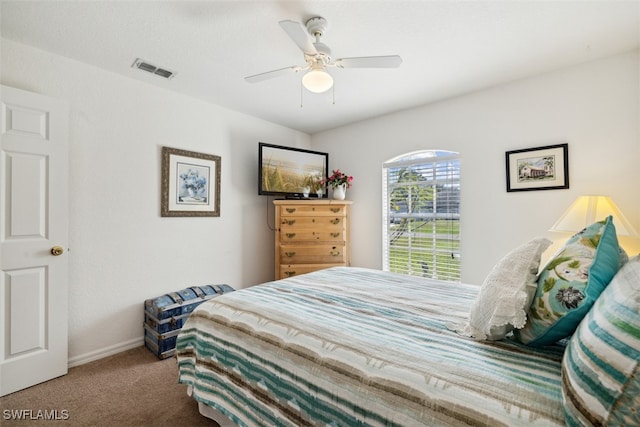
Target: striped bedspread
352 347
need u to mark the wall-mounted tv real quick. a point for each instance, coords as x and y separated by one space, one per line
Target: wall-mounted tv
291 172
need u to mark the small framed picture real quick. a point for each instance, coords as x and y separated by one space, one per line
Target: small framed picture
190 183
539 168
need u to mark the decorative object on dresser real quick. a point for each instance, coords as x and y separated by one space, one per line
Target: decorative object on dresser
340 192
339 181
165 315
311 235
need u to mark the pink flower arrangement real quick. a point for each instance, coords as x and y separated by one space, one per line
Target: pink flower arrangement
338 178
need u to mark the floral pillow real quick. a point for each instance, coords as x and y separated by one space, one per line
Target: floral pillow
570 283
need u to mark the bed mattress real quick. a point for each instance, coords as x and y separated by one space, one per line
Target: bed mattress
354 346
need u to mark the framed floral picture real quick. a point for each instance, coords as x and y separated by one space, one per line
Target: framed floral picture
539 168
190 183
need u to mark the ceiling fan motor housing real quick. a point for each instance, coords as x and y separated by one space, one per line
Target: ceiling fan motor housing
317 26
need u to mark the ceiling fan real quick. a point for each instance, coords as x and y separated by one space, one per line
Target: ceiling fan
317 55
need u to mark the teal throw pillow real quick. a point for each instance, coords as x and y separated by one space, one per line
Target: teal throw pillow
570 283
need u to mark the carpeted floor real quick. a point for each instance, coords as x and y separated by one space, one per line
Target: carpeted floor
132 388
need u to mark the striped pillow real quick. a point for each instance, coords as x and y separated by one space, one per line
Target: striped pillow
600 368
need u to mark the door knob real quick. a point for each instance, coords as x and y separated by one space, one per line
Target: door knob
57 250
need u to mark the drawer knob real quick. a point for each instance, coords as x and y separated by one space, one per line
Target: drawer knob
289 273
290 235
290 254
335 234
335 253
289 221
335 221
291 210
335 210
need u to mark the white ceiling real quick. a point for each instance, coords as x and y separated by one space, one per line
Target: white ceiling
448 47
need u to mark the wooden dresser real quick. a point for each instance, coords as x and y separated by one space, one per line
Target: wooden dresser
311 235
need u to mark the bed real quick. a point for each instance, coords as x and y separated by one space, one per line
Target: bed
345 346
355 346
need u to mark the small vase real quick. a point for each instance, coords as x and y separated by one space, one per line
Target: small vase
340 192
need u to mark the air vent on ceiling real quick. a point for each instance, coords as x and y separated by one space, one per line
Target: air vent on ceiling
150 68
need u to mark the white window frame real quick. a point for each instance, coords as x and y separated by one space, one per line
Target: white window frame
443 181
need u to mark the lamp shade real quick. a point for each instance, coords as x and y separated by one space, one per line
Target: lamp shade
317 80
588 209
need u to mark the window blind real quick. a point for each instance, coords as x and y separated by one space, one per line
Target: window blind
421 214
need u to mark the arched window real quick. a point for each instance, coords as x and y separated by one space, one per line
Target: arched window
421 214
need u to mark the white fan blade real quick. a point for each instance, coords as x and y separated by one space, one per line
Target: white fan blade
298 33
391 61
271 74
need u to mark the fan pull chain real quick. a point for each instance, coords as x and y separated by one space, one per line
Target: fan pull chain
333 94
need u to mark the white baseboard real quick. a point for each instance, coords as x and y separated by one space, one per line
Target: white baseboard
104 352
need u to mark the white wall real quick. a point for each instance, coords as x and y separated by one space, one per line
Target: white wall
121 251
592 107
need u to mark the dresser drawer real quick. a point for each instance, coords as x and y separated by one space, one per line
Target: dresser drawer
312 222
312 254
314 210
291 235
290 270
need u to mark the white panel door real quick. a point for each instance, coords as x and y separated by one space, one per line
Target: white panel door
33 239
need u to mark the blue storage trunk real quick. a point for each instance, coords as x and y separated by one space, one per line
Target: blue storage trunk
165 315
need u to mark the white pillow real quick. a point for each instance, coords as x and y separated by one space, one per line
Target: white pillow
506 293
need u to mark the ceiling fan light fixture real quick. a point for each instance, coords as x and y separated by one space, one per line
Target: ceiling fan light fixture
317 80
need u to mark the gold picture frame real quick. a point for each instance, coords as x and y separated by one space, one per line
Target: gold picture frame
190 183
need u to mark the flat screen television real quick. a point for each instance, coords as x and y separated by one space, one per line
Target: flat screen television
291 172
